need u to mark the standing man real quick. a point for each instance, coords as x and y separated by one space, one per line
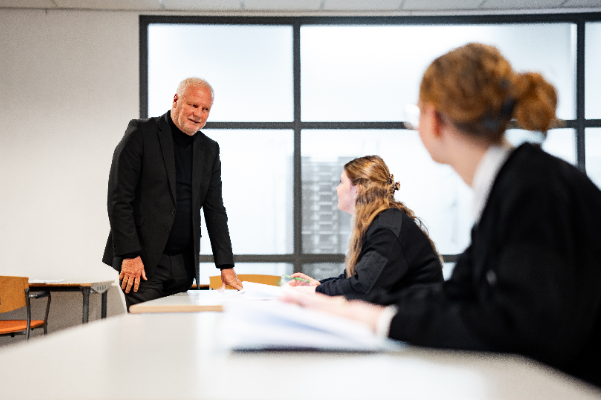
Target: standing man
164 171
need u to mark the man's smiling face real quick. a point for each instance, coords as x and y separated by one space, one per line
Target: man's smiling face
191 110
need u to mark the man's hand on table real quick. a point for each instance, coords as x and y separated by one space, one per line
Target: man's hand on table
131 271
229 277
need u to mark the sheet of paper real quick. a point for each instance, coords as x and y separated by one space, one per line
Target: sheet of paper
230 293
277 325
255 291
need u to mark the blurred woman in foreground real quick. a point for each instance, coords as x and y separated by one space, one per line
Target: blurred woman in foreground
529 283
389 247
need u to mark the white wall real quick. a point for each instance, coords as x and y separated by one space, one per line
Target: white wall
68 87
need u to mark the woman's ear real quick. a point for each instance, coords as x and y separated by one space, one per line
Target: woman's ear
442 125
438 124
437 121
432 128
354 191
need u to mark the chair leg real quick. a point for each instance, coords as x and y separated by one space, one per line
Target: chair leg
28 315
46 316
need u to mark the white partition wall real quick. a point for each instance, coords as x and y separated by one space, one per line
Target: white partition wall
69 86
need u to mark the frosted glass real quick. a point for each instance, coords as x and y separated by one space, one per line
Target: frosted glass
368 73
592 67
435 192
321 271
249 67
592 143
208 269
559 142
257 175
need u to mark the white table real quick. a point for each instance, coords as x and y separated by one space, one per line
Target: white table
177 356
190 301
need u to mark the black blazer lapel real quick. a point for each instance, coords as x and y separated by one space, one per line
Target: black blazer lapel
166 141
198 160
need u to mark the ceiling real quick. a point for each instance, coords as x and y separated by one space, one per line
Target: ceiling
315 6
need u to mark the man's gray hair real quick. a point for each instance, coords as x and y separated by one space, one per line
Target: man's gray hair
194 82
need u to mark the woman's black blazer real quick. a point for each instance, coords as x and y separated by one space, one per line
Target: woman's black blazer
530 282
395 254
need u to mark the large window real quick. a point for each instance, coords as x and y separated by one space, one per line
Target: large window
296 98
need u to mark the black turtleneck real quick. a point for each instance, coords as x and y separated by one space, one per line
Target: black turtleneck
180 237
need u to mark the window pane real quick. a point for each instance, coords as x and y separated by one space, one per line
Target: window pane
434 192
249 67
368 73
321 271
256 170
208 269
592 66
592 143
559 142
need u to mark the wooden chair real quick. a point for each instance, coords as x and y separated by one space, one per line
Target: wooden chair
273 280
14 294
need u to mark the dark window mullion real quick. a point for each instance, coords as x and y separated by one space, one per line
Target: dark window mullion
300 259
143 65
580 38
297 205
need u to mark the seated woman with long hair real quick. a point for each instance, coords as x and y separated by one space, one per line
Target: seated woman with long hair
530 281
389 247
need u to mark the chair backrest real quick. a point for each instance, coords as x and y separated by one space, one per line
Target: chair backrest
12 292
273 280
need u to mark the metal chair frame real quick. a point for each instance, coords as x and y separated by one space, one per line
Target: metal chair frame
28 329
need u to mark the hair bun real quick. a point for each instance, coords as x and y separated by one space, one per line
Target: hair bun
536 101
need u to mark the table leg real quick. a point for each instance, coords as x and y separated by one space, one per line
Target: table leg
86 304
103 308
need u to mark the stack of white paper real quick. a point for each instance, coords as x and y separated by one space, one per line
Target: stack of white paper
261 291
277 325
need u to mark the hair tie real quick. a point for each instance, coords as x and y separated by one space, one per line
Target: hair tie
494 123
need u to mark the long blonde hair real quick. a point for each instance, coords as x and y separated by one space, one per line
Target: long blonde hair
475 88
375 193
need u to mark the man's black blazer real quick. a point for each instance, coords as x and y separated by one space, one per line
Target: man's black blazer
142 195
